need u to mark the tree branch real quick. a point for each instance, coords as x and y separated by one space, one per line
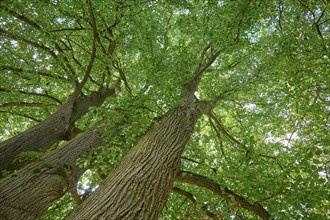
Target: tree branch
217 132
190 196
31 23
22 115
23 18
187 91
224 131
68 29
67 66
34 94
93 52
204 182
187 194
22 104
214 170
32 43
122 76
41 73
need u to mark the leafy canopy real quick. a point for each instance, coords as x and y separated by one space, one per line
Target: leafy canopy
268 141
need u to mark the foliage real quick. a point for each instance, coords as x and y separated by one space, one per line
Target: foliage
268 141
28 155
60 209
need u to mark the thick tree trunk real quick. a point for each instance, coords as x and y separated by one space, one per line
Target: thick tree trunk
29 192
138 188
59 126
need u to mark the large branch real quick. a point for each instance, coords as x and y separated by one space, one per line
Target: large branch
206 106
187 91
59 126
184 193
204 182
47 179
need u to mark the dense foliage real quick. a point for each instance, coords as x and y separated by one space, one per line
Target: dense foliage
267 140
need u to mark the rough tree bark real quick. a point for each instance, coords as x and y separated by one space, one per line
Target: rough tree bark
29 192
138 188
59 126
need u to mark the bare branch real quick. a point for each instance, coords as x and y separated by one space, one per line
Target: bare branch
322 13
22 104
21 115
187 91
190 196
224 131
32 43
23 18
67 66
34 94
214 170
122 76
191 160
68 29
168 28
93 53
218 135
201 69
204 182
184 193
41 73
316 20
31 23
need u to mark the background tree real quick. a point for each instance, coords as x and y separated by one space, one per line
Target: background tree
262 148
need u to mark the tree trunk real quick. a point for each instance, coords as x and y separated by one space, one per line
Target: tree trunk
138 188
29 192
59 126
